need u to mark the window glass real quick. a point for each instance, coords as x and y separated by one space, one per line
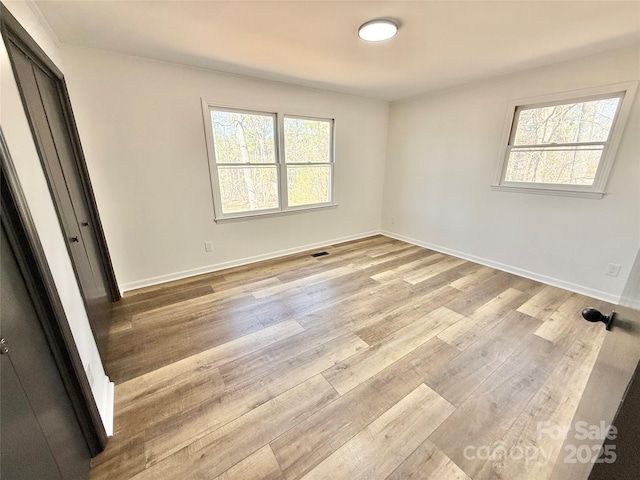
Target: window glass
307 141
243 137
249 172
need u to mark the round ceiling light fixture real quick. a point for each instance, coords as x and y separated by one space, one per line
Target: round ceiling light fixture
378 30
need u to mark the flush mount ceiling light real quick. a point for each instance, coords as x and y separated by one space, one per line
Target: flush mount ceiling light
377 30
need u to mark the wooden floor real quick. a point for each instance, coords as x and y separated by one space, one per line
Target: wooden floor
381 360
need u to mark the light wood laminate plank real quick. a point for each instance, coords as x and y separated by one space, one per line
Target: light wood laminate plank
229 444
260 465
351 372
377 450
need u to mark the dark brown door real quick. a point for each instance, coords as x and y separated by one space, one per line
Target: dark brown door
611 375
47 86
40 437
624 445
46 114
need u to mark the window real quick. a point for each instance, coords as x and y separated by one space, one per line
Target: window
265 163
564 144
307 153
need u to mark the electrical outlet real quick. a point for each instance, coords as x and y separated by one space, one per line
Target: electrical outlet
393 220
613 270
208 246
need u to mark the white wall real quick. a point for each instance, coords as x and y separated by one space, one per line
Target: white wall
441 158
142 130
631 293
27 164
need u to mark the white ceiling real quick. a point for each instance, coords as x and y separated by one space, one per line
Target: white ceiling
314 43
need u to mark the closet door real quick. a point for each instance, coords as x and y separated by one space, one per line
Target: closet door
40 438
25 452
48 88
46 115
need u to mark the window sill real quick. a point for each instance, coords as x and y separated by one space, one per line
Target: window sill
547 191
253 216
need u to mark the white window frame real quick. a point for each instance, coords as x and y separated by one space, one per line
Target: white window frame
285 165
281 165
597 189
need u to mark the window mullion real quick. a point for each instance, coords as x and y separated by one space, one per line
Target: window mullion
556 145
282 167
230 165
307 164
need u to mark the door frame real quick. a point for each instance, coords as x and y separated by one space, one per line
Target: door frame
13 32
25 243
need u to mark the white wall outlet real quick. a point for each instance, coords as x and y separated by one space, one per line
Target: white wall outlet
393 220
613 270
208 246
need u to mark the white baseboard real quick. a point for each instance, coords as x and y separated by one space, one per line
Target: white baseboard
633 304
147 282
554 282
108 407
